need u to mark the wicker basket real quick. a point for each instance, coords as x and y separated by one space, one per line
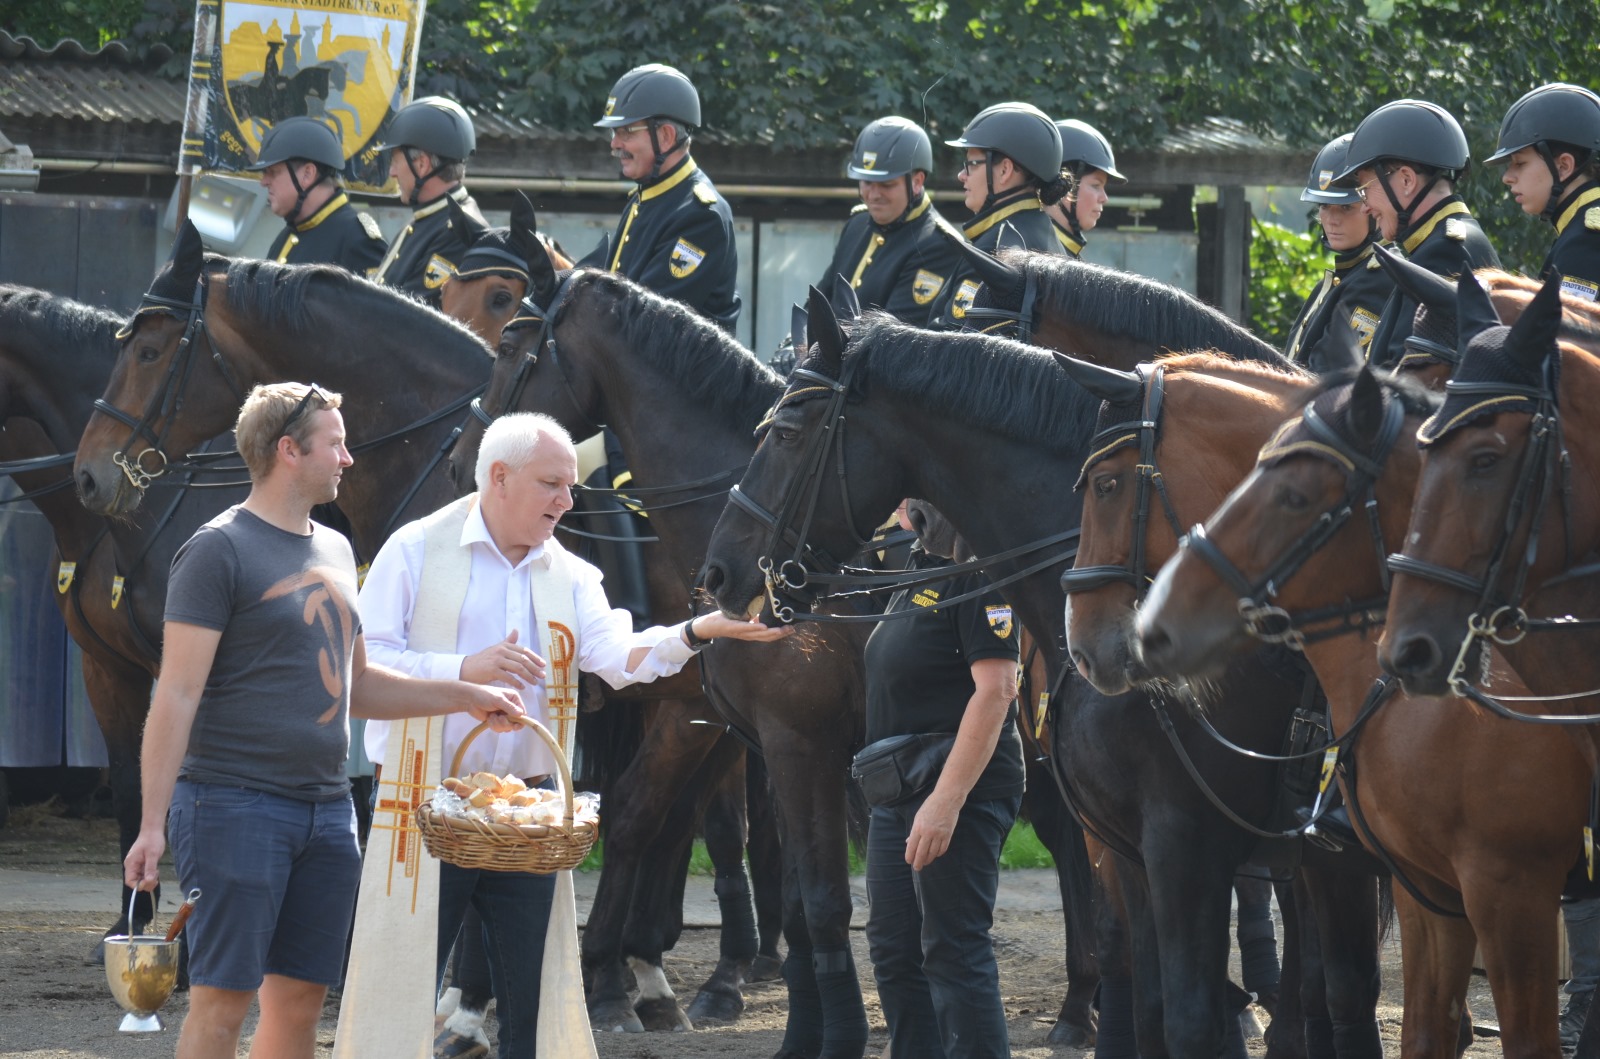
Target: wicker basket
538 848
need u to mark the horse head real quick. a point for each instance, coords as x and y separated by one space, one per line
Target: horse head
492 277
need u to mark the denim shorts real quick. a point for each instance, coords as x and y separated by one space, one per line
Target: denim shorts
278 877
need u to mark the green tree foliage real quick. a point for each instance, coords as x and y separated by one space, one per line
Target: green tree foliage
1285 265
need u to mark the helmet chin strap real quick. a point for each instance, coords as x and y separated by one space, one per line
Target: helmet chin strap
660 155
1403 213
1558 187
417 179
300 192
1071 211
988 180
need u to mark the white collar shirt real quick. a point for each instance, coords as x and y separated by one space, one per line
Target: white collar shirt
499 599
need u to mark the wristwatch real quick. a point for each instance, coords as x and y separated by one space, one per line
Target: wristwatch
696 642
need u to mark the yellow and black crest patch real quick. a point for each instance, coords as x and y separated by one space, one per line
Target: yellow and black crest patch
1324 178
1364 322
999 616
1455 228
963 297
869 159
706 194
437 272
686 257
1591 217
928 597
926 286
1580 288
611 105
64 575
116 591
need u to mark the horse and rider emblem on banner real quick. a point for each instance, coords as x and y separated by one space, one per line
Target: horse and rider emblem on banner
348 63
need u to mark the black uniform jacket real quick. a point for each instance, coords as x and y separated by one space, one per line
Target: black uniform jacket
338 234
1576 251
1071 245
426 251
1445 240
1021 214
901 267
676 238
1351 296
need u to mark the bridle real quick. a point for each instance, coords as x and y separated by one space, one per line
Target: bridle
1143 432
167 402
533 313
1273 624
1021 320
1499 616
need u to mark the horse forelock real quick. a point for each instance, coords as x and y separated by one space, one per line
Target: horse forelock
1015 390
326 304
711 367
1137 308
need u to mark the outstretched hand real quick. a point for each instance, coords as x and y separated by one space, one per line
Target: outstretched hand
506 662
716 625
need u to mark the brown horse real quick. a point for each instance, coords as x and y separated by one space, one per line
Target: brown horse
55 356
485 291
1435 798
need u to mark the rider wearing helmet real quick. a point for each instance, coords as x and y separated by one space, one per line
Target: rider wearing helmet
1087 160
429 142
1405 157
676 231
1011 172
1352 293
300 162
891 250
1550 146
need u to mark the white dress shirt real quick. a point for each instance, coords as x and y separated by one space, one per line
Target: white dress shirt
500 599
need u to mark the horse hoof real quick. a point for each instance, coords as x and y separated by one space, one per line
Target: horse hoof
1067 1035
615 1016
662 1015
765 969
716 1006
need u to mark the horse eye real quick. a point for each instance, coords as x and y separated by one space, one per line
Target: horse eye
787 436
1105 486
1484 461
1292 499
149 354
502 299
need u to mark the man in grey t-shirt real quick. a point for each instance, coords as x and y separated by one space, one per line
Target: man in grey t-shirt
263 663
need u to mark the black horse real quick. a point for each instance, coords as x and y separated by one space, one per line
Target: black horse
990 433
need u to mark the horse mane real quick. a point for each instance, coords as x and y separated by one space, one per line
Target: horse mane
283 297
1016 390
715 371
1415 397
1211 361
60 321
1135 307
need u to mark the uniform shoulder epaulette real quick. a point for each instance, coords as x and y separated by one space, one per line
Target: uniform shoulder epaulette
706 194
369 224
1455 228
948 229
1591 217
861 207
1373 264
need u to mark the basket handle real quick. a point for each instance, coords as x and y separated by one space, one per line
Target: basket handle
543 733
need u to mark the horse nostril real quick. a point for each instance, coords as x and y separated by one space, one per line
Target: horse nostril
86 484
714 579
1417 656
1154 644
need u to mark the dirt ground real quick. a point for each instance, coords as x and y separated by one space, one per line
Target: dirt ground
54 1003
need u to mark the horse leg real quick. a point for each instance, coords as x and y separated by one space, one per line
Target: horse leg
639 803
1129 1024
720 999
1512 919
766 870
827 1019
1345 906
1436 963
1286 1033
1075 1023
1260 970
1191 889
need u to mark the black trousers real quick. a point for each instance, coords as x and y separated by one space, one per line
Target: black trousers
928 933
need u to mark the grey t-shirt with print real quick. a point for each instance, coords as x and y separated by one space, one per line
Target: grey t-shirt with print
274 715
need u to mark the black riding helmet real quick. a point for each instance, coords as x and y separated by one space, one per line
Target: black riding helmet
891 147
1021 132
1408 130
433 124
304 139
1084 147
652 93
1552 119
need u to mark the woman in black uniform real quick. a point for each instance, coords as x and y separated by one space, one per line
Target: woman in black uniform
943 773
1085 157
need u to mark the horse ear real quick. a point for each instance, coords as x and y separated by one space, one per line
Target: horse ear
541 273
827 337
188 255
1108 384
1533 336
1004 282
845 302
524 227
1339 350
1429 288
797 326
1474 311
1366 405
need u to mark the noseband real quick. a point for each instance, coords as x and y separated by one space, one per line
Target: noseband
1499 616
165 404
1273 624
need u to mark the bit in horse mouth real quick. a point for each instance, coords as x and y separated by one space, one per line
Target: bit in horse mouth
753 608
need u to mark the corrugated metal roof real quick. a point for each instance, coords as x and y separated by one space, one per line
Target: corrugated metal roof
88 92
1222 136
76 51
